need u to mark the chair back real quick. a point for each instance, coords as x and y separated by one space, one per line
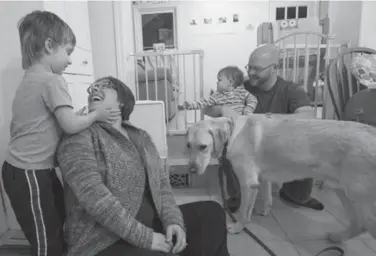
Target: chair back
341 85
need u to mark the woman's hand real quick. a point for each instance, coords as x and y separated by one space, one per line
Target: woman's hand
159 243
180 237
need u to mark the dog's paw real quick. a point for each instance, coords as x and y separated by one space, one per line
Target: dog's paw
235 228
337 237
263 211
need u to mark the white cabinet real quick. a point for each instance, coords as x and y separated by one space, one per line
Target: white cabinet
78 20
76 15
77 85
82 62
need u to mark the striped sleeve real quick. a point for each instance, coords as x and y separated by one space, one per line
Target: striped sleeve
215 99
250 103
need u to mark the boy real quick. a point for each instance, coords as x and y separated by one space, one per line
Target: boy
42 110
230 92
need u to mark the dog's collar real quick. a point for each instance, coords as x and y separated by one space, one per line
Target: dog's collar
224 151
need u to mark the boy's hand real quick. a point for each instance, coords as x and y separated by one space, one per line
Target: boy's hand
81 112
212 91
106 113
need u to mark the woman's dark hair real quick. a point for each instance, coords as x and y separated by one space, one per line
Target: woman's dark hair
125 95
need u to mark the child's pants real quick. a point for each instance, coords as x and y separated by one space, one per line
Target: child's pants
38 202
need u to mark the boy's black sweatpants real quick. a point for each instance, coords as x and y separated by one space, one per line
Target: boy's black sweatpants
37 199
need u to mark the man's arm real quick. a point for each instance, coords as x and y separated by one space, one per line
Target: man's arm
298 104
305 112
79 168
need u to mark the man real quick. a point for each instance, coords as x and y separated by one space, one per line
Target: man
274 95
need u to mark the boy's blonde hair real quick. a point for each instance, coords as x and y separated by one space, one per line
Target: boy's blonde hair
233 73
35 28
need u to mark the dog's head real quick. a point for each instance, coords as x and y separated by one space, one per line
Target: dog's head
205 140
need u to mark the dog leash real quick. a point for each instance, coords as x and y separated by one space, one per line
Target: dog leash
222 169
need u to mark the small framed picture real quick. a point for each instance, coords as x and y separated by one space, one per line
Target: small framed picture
208 21
235 18
222 20
193 22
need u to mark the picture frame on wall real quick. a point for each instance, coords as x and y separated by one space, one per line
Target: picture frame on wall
208 20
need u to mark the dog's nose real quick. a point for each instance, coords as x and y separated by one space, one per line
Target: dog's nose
192 167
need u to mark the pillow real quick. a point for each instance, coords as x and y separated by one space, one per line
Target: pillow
363 68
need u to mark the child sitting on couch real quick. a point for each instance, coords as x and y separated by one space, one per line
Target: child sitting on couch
230 92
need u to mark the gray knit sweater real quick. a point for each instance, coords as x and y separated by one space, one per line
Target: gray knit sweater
104 178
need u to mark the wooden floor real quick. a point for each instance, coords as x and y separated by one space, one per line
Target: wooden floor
14 252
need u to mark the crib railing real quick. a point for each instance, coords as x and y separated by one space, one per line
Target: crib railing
171 76
305 63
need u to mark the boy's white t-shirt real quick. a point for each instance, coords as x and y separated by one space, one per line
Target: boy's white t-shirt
34 131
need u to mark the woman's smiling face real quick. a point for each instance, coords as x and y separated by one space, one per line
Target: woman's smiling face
101 93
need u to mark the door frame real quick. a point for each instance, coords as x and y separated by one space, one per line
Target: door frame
140 9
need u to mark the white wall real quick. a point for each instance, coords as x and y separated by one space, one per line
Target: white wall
102 26
367 36
222 49
103 38
345 19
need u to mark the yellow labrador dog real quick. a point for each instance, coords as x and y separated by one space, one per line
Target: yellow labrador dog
264 149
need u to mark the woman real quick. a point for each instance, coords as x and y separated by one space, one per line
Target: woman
118 197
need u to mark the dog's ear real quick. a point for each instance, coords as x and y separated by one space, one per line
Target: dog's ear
185 149
220 130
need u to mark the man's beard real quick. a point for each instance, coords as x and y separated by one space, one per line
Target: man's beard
258 81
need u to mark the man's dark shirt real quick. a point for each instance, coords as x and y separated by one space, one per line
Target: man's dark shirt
284 98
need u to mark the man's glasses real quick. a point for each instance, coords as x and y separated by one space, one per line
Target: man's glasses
257 69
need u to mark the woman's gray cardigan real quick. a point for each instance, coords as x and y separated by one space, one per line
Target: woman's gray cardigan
104 179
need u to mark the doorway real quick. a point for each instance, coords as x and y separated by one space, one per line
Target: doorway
154 24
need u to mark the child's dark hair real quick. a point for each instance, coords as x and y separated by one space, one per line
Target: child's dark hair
233 73
35 28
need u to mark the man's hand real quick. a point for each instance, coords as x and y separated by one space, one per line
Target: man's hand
180 237
160 244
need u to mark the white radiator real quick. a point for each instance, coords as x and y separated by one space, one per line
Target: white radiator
150 116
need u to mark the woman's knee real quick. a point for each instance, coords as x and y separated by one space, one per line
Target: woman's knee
212 210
